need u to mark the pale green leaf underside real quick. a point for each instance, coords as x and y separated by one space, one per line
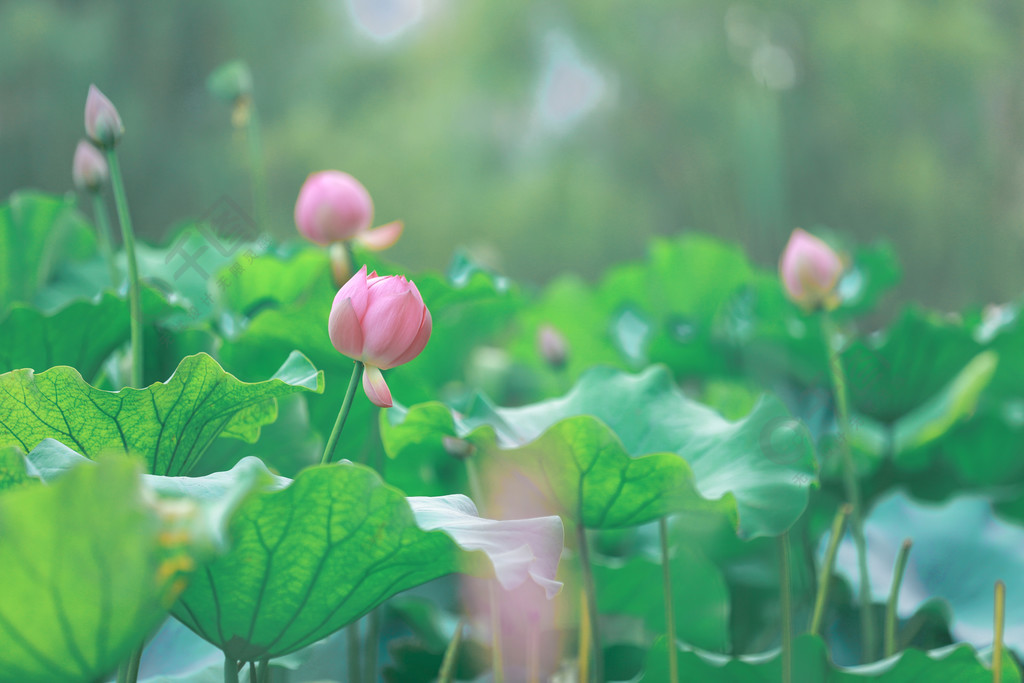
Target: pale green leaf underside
168 424
80 564
314 556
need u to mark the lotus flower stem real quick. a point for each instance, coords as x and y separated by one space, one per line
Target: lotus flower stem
583 654
134 294
835 364
128 672
230 670
99 211
997 646
257 170
354 668
825 575
339 424
894 596
670 612
786 607
451 656
591 595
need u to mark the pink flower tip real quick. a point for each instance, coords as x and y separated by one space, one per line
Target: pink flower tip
382 322
89 168
333 207
810 270
102 122
552 346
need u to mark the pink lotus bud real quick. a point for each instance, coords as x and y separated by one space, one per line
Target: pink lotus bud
89 169
102 122
381 321
552 346
810 271
335 207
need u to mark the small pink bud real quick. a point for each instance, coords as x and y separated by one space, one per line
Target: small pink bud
552 346
810 271
89 168
102 122
332 207
381 321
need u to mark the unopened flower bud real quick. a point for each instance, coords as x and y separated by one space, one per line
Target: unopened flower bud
102 122
335 207
89 168
810 271
460 449
230 81
552 346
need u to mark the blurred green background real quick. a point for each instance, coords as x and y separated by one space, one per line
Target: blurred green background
554 136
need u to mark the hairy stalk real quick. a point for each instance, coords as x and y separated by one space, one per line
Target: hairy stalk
103 236
591 595
894 596
134 292
451 656
670 613
786 607
851 486
346 406
825 576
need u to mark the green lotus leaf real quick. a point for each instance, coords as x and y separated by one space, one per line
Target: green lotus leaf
317 553
699 591
608 453
168 424
811 664
82 334
36 230
91 565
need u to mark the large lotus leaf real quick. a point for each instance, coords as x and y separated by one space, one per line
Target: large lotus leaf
318 552
270 279
758 468
699 591
82 334
811 664
168 424
91 565
900 368
960 550
36 230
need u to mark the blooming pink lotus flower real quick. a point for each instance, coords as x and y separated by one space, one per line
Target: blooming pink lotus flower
381 321
102 122
335 207
810 271
89 168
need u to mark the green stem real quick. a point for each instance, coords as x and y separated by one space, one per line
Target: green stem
997 645
825 576
786 607
346 406
851 487
128 672
257 170
591 593
230 670
128 237
451 657
103 236
894 596
370 648
354 669
263 674
252 671
670 613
